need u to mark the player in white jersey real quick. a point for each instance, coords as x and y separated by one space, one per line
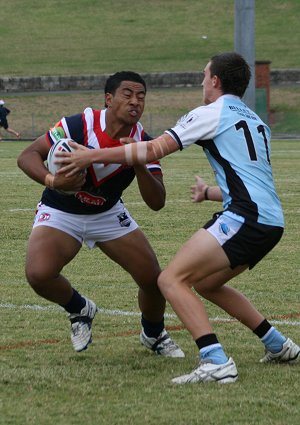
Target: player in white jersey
237 145
96 215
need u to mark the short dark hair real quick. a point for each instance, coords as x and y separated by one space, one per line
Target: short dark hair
233 71
114 81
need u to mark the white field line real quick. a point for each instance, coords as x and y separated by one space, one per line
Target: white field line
117 312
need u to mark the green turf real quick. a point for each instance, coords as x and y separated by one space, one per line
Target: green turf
72 37
116 381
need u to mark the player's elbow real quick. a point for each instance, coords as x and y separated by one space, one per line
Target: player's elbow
158 206
158 202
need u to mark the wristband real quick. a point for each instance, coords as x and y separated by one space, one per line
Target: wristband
49 181
206 194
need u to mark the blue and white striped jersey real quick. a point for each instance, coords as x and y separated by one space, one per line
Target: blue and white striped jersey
237 144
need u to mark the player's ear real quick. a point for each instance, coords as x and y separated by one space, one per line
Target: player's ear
108 100
216 82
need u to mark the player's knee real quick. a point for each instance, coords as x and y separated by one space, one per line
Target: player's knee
37 277
148 284
146 276
165 283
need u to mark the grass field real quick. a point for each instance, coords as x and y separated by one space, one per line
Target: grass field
117 381
72 37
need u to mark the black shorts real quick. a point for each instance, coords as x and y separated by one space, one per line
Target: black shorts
4 123
243 241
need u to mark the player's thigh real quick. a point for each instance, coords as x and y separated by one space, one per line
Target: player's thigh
218 279
50 249
199 257
134 254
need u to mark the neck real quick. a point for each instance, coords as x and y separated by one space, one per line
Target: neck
116 128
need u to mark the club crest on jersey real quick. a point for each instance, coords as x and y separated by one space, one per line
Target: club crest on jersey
124 220
186 120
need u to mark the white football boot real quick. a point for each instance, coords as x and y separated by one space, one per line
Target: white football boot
209 372
290 353
163 345
81 326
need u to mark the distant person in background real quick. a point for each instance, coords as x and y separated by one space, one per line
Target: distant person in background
96 214
237 145
3 120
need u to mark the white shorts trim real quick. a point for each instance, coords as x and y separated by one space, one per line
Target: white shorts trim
88 228
226 226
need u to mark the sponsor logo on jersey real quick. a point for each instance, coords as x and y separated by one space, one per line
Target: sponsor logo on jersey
87 198
57 133
124 220
243 111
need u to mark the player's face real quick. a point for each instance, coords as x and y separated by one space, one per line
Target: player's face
128 102
208 85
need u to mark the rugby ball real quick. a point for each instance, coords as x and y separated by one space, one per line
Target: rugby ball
61 146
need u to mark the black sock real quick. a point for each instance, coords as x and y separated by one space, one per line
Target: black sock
206 340
151 329
262 328
76 303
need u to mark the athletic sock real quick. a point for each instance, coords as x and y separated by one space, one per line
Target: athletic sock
152 329
214 354
76 303
273 340
211 350
270 336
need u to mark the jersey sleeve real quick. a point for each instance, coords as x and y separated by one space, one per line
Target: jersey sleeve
68 127
199 124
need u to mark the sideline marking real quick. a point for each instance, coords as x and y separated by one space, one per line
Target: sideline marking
277 320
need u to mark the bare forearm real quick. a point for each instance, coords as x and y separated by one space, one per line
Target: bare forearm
33 166
136 153
151 188
31 162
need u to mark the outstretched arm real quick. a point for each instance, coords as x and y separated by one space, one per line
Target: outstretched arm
131 154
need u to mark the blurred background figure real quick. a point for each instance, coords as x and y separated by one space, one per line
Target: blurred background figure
3 120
